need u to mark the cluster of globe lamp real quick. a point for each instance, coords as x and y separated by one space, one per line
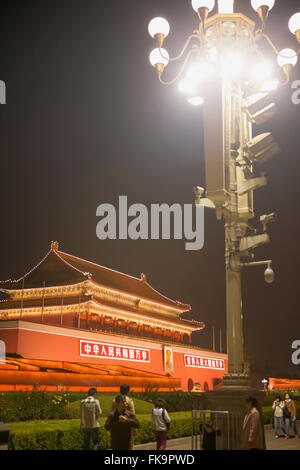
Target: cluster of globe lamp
231 61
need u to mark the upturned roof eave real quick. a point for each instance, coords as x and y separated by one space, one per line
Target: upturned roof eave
85 274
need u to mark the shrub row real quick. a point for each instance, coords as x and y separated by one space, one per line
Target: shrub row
66 435
24 406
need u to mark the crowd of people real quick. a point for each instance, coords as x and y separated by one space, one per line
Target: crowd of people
122 422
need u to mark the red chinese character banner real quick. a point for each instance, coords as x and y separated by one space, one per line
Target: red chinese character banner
113 351
204 362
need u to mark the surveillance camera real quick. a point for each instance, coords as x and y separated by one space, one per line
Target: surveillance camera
269 275
254 103
267 218
262 148
203 201
260 107
251 184
198 191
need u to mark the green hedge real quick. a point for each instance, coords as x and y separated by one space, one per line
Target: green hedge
24 406
66 434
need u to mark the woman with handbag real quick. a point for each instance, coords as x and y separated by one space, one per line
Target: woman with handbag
289 415
161 422
120 424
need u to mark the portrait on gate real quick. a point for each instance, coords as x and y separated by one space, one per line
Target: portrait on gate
168 359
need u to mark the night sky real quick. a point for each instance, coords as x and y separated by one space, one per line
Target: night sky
86 121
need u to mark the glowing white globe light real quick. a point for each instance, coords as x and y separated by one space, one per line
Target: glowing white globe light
256 4
294 23
158 26
225 6
287 57
196 4
196 100
159 56
261 71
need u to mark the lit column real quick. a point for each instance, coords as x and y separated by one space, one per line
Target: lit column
224 69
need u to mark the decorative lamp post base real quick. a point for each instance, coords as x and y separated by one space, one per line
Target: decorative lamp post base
237 381
231 397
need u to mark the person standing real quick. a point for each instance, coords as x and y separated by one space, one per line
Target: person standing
129 405
124 390
161 422
90 411
120 423
277 407
289 413
252 435
210 433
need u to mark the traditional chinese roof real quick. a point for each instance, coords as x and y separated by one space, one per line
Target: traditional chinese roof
58 268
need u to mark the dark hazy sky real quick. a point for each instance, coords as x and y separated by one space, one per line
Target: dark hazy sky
86 121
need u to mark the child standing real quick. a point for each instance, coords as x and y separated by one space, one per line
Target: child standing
161 422
210 434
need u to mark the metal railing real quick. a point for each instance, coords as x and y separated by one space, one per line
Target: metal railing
228 423
4 434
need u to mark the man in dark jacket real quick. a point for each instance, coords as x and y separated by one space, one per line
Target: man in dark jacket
120 423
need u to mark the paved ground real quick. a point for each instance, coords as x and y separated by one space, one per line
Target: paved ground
184 443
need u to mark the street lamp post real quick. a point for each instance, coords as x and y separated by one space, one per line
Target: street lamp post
225 70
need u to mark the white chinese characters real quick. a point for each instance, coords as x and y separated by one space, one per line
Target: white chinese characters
113 351
203 362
